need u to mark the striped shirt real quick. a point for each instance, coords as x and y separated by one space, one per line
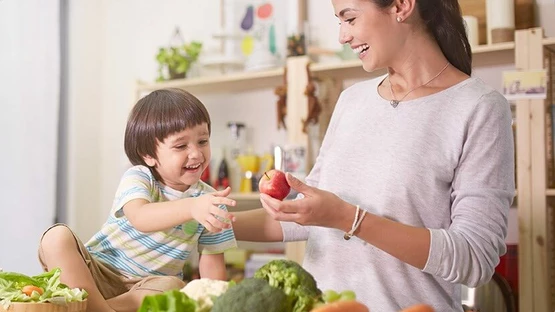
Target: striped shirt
138 254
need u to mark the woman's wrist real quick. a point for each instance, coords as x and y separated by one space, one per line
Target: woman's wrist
348 214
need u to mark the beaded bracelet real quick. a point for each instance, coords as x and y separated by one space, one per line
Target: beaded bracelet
356 223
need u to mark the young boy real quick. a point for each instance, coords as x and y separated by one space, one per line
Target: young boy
161 212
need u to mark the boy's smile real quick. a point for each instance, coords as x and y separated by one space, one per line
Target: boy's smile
182 157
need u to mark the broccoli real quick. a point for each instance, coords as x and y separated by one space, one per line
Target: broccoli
252 295
299 285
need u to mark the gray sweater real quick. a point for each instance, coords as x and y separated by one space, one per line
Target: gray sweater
444 162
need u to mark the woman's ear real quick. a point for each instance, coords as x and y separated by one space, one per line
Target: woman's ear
403 9
149 160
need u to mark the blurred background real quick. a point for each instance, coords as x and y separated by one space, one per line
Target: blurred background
69 71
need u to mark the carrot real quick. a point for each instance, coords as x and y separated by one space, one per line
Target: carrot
28 290
342 306
419 308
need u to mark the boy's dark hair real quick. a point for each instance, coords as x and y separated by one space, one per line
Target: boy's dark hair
158 115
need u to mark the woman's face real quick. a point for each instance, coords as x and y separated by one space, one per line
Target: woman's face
369 30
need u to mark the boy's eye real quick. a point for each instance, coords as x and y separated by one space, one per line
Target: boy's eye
181 146
203 142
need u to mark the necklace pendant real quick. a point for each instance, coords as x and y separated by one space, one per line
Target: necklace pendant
394 103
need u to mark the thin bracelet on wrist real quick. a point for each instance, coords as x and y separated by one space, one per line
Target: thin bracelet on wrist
356 223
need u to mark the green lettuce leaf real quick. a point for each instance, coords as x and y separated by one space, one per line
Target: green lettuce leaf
169 301
55 291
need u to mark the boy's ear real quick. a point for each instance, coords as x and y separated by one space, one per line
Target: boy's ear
149 160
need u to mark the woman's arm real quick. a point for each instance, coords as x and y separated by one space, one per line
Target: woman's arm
257 226
392 237
212 266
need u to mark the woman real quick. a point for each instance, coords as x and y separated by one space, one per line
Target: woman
417 165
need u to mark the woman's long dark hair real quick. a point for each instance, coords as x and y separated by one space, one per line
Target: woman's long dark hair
444 21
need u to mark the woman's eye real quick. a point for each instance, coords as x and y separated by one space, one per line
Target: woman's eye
350 20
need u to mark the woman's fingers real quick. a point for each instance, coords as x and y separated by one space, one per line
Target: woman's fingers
274 208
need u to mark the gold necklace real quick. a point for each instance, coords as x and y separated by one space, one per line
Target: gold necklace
394 102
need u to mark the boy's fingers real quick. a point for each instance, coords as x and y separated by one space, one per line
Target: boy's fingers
224 215
218 224
223 193
223 201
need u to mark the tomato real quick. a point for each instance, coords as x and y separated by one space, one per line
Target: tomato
28 290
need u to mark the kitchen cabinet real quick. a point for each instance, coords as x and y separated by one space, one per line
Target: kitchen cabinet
536 218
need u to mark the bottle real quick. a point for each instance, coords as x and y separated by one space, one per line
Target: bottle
205 176
222 180
235 148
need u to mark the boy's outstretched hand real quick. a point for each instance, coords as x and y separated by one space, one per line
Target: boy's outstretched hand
207 212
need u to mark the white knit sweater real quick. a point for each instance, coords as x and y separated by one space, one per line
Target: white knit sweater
444 162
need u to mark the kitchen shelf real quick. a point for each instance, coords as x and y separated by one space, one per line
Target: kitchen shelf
350 69
245 196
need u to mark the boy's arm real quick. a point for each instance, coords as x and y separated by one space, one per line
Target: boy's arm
151 217
212 266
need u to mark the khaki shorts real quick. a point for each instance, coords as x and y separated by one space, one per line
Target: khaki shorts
110 282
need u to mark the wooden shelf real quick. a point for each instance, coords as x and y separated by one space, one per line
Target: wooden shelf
549 42
351 69
550 192
225 83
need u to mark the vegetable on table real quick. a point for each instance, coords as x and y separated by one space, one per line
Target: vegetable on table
204 291
289 276
28 290
173 300
45 287
252 295
342 306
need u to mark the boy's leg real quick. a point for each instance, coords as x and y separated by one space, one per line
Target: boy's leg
60 248
152 285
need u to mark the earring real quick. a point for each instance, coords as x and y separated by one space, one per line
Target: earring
399 19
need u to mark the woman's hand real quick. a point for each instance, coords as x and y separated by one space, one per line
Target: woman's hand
318 207
206 211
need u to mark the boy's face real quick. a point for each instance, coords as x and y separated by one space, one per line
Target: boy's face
182 157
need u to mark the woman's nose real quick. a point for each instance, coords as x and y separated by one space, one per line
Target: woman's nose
344 36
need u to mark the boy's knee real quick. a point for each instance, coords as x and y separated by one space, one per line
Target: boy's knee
57 238
160 283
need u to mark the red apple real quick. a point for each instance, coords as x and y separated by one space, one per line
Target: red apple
274 183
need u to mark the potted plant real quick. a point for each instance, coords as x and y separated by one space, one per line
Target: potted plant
175 61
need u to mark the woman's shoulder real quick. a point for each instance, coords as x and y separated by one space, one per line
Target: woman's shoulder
480 92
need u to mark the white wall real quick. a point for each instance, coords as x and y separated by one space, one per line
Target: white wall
29 80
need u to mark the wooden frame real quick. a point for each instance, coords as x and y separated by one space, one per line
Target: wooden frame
534 255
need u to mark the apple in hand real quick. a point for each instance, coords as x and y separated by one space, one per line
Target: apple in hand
274 183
